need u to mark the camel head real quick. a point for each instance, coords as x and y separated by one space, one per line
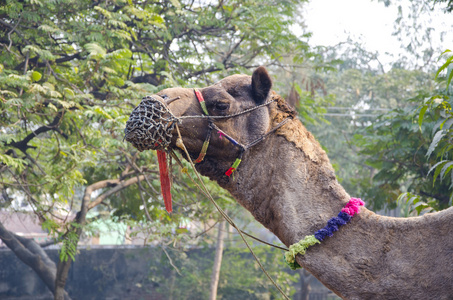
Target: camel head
225 122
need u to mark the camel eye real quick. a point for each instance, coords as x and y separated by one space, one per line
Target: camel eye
222 106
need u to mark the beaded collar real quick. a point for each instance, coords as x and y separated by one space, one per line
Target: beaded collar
345 215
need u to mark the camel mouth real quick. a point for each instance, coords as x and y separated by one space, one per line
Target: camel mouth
150 125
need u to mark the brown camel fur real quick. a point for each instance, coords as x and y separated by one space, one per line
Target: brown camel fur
289 185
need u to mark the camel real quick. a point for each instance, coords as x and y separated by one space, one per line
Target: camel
287 183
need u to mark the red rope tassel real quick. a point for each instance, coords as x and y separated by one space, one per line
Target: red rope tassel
229 172
164 179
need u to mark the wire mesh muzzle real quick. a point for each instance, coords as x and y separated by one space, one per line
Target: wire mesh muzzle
150 125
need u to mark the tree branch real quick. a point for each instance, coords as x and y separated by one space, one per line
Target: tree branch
36 63
23 145
121 185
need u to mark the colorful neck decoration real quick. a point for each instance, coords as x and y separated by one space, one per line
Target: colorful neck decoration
346 214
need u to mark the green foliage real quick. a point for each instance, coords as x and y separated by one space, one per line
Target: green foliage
396 149
439 105
362 94
447 67
69 245
378 136
407 150
414 205
449 4
72 71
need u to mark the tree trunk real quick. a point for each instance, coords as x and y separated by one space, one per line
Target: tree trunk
305 279
33 255
87 204
172 283
29 252
217 262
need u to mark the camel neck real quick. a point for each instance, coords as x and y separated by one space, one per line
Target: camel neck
285 190
289 186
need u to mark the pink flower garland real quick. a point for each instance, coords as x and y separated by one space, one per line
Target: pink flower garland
353 206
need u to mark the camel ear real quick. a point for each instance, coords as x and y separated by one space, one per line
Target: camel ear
261 85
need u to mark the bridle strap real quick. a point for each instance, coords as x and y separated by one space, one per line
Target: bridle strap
238 160
253 143
212 126
205 146
201 100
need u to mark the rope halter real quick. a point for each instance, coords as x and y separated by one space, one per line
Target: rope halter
151 124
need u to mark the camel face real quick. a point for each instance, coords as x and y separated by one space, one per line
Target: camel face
152 123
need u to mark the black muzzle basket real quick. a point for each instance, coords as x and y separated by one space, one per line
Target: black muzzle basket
150 125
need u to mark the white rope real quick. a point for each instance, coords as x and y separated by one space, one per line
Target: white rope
226 217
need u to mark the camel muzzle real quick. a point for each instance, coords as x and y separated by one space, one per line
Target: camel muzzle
150 125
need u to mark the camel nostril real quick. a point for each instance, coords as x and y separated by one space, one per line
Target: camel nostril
171 100
150 125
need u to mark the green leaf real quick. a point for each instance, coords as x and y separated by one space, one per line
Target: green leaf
182 230
437 172
13 162
36 76
435 166
439 135
449 76
447 124
445 169
420 116
102 112
69 92
446 51
95 49
444 66
104 12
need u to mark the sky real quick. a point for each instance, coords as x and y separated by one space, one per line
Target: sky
331 21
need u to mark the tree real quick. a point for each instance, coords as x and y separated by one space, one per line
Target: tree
396 147
384 152
449 4
70 74
217 261
420 38
438 105
363 91
379 154
405 161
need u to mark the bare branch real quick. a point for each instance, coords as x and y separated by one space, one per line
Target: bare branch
118 187
171 261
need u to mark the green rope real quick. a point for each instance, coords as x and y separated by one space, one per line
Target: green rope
299 248
203 106
236 163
